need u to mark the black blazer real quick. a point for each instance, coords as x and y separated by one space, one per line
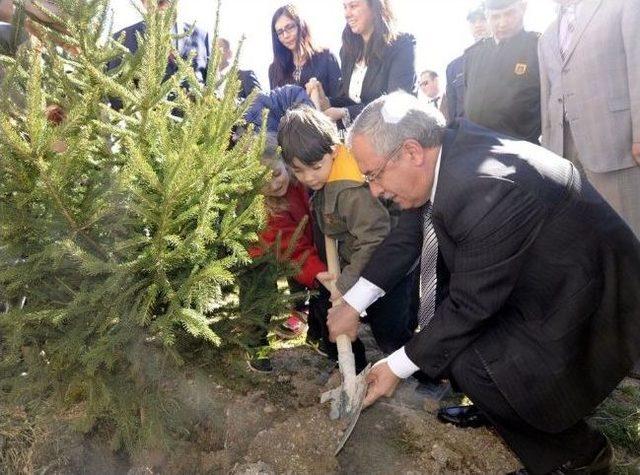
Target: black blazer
398 254
323 66
544 278
397 70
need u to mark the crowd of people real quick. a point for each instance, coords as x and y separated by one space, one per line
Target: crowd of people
474 251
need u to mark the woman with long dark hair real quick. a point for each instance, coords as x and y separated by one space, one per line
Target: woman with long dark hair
296 59
376 60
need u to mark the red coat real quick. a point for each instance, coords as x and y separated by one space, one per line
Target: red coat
285 223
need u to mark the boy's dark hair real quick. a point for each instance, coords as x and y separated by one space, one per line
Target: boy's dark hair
306 134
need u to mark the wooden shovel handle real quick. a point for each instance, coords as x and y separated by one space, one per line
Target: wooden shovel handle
346 359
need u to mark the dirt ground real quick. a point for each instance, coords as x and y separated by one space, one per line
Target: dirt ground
282 429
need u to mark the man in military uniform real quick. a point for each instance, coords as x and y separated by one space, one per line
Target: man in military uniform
502 80
455 70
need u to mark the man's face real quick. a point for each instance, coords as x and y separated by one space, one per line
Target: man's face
506 22
479 28
429 86
405 181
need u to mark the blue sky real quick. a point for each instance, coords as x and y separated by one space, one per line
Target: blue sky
439 25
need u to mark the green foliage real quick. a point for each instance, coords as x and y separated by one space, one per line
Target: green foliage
619 418
124 229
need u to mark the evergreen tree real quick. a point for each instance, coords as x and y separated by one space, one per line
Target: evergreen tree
120 229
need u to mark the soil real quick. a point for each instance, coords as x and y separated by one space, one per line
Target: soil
283 429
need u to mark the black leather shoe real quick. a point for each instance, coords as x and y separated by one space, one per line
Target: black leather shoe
463 416
601 464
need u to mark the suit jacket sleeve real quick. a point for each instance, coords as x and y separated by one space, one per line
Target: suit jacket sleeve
630 22
402 72
368 221
452 94
333 76
545 92
492 235
397 254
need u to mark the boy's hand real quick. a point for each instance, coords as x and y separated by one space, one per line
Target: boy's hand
328 281
343 319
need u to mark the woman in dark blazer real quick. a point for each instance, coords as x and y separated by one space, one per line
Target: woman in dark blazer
376 60
296 59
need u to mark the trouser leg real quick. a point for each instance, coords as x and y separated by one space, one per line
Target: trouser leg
540 452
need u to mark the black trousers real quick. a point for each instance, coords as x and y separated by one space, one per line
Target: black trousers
540 452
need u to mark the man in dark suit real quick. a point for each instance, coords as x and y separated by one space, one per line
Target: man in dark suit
537 316
198 42
247 78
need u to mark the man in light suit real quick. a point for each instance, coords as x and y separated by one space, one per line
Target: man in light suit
590 83
537 309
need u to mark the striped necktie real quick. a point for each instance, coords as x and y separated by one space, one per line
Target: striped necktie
567 29
428 261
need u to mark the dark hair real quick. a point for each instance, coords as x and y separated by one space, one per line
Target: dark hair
282 66
306 134
225 42
384 33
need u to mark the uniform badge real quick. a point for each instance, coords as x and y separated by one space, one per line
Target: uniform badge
521 69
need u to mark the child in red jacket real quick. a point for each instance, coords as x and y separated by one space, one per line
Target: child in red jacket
287 203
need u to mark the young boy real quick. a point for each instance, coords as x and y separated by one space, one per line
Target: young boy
344 209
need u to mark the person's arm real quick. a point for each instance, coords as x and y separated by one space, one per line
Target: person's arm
302 251
393 259
368 222
630 21
492 235
451 92
545 93
402 72
332 86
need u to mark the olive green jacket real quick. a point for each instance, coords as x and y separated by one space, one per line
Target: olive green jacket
346 211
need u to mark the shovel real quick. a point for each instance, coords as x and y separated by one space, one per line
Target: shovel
347 399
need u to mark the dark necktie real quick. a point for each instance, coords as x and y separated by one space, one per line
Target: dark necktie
428 261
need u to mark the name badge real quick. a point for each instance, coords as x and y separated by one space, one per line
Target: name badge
521 69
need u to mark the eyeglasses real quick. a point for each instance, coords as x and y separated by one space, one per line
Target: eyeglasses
290 28
373 176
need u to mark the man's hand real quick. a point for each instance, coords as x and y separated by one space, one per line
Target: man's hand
635 151
382 382
343 319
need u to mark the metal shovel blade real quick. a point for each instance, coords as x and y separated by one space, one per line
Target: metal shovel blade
347 411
